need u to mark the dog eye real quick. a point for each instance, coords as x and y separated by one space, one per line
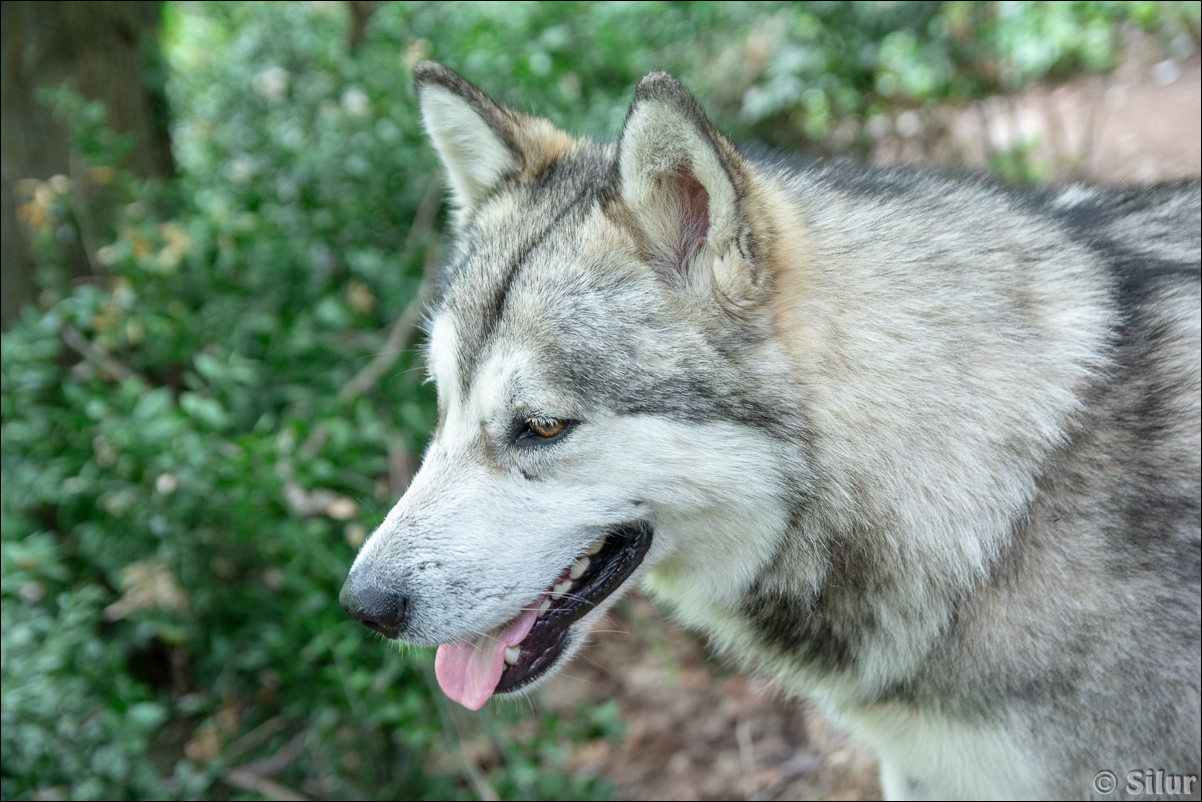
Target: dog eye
536 432
546 428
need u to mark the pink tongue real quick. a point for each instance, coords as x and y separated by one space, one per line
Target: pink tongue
469 671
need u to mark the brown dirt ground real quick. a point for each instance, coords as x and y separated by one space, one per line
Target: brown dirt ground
696 728
1140 125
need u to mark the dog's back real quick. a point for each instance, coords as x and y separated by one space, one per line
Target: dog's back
1004 392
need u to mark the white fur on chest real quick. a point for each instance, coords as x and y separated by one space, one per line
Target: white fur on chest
950 760
924 755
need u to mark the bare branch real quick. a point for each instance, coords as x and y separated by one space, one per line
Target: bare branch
84 347
255 737
394 346
83 216
1062 161
450 723
423 221
401 467
247 780
271 766
483 787
1097 119
254 776
988 151
746 757
311 503
403 328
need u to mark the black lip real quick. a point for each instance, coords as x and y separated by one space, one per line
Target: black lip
625 548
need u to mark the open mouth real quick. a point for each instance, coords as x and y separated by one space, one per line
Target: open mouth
520 652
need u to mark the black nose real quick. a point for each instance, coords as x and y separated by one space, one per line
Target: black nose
378 610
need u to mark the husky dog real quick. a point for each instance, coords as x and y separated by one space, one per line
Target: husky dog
925 450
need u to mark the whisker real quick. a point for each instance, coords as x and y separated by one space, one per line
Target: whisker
578 679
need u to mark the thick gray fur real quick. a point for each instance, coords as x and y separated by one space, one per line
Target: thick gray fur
964 419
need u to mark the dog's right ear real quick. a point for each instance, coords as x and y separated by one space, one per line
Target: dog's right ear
686 187
481 143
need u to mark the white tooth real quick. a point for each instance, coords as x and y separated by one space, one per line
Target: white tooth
596 547
544 607
562 588
578 568
512 654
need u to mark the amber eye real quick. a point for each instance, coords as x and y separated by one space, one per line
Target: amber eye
546 428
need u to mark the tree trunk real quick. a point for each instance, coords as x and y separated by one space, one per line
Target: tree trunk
107 51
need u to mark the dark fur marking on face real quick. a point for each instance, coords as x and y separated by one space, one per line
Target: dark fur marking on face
495 310
604 376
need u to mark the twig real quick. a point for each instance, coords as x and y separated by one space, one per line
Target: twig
746 756
483 787
255 737
792 770
311 503
84 347
394 346
1095 121
179 670
1057 139
400 467
1016 130
987 148
254 776
423 221
247 780
450 723
273 765
402 329
353 699
646 629
83 218
361 13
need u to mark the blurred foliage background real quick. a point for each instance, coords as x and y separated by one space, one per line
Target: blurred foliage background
203 422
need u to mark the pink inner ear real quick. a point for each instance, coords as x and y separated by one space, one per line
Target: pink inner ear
692 222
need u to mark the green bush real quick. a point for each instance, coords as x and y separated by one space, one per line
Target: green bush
185 479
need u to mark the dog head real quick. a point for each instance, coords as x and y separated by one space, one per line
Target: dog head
605 374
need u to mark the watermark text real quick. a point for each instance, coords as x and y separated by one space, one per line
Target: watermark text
1147 781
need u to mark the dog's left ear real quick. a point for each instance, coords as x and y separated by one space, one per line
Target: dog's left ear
685 186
